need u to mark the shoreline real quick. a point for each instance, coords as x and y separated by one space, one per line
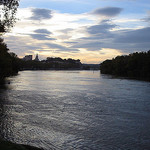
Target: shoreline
112 76
7 145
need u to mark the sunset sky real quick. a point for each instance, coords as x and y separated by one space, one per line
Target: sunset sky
89 30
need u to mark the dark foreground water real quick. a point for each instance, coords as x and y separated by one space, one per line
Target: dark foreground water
71 110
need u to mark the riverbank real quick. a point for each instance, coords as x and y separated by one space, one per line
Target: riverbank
135 65
6 145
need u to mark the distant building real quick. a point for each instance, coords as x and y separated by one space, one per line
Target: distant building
27 58
36 58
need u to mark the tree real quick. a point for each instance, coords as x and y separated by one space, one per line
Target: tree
8 61
8 9
136 65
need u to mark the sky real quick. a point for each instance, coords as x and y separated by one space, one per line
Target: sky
89 30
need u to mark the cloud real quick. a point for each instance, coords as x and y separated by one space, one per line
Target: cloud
101 28
42 34
58 47
127 41
135 36
70 42
41 37
147 19
39 14
54 46
21 47
100 31
43 31
108 11
98 34
66 31
90 46
71 50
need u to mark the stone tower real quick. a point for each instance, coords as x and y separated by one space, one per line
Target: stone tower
36 58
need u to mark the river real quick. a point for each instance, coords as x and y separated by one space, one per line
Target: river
71 110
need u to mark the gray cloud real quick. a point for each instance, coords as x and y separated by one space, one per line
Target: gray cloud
14 45
98 36
61 48
43 31
42 50
127 41
130 40
100 29
65 34
108 11
42 34
135 36
147 18
41 37
30 47
56 46
90 46
39 14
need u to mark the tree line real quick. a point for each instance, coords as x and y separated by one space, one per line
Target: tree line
50 63
8 62
135 65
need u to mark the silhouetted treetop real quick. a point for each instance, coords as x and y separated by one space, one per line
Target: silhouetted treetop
8 9
135 65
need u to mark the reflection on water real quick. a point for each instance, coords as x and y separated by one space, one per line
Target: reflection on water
75 110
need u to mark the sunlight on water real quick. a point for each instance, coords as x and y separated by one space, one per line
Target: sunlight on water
75 110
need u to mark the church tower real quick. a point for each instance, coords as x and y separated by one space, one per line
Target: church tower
36 58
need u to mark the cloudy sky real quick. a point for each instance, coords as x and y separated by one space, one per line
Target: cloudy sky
89 30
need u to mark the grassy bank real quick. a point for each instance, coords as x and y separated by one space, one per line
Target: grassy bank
5 145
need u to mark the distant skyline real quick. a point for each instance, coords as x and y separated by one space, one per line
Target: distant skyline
91 31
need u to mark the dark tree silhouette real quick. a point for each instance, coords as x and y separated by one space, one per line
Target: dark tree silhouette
136 65
50 63
8 9
8 61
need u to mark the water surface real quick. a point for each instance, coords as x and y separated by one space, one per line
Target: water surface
75 110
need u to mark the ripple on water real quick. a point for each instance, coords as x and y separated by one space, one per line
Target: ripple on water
76 110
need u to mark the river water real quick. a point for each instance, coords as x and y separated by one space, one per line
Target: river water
71 110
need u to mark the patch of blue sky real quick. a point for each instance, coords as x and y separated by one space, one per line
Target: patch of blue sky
72 6
83 6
